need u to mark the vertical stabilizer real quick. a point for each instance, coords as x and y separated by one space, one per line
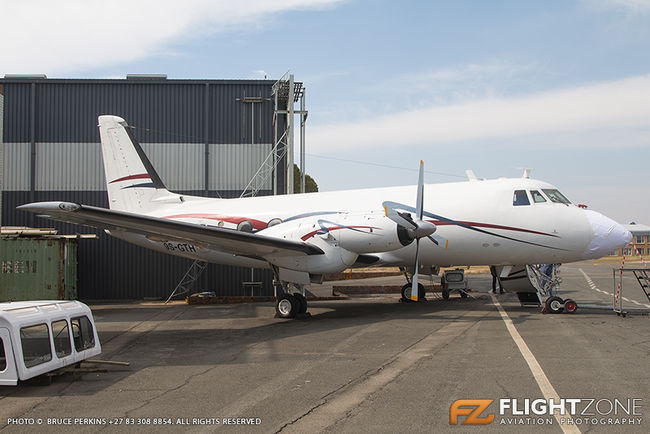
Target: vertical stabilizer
131 181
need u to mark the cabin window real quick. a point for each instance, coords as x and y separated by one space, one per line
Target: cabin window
35 341
3 359
555 196
537 196
62 345
520 198
82 333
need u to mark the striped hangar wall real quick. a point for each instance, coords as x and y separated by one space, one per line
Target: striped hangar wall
199 134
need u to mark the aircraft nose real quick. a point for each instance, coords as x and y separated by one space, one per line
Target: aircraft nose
607 236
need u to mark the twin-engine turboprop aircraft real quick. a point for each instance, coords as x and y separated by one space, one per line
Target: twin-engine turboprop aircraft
508 223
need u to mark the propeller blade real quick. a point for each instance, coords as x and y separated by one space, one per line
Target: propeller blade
420 199
414 280
434 240
401 218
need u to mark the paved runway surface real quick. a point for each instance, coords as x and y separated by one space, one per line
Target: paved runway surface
361 365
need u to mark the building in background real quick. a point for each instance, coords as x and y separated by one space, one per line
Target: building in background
204 137
640 240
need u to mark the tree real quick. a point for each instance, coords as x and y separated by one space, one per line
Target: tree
310 184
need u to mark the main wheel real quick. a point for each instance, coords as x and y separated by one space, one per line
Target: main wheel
554 304
406 292
570 305
463 294
302 301
445 294
287 306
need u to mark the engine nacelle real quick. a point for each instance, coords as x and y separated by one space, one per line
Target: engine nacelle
368 233
334 260
342 236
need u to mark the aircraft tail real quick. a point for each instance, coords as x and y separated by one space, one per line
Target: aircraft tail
131 181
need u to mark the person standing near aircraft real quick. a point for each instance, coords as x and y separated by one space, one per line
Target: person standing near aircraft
495 280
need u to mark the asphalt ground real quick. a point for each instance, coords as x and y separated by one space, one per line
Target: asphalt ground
368 364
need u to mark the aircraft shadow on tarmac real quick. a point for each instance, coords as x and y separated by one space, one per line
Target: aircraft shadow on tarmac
179 342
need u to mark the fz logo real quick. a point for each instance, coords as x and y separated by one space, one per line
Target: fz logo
472 408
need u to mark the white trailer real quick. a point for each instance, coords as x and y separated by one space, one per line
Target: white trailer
37 337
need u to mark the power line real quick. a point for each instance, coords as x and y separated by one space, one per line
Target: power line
369 163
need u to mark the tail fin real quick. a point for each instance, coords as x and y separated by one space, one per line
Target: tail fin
131 181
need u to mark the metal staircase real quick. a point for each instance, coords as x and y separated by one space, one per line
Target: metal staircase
189 279
641 275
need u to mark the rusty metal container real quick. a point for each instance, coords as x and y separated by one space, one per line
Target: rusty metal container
33 268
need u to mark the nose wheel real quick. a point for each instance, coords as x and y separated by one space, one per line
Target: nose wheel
557 305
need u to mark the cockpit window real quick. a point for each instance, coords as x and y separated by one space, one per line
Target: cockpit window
555 196
537 196
520 198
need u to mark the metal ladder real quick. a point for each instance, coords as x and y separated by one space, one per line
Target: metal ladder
189 279
643 279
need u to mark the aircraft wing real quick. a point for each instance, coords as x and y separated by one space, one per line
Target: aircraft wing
224 240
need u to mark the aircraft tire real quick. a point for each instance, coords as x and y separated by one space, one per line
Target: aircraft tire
287 306
463 294
406 292
445 294
570 305
554 304
302 301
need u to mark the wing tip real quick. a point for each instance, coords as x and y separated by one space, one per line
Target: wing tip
49 206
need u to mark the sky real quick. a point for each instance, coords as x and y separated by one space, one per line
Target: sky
562 87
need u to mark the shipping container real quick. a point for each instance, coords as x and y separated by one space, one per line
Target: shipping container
38 268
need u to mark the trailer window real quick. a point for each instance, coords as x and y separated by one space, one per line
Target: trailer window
537 196
520 198
3 359
82 333
35 341
62 345
555 196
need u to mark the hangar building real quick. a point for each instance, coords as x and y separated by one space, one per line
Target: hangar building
205 137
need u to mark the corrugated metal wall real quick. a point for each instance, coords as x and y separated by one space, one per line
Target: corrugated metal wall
2 107
199 135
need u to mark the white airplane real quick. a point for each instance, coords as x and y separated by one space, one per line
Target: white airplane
507 223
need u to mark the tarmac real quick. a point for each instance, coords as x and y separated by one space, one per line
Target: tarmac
365 364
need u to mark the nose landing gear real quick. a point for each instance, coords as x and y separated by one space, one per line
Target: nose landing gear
555 304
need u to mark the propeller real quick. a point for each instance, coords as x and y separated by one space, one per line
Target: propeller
417 228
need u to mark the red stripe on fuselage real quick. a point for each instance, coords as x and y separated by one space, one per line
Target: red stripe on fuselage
334 228
257 224
126 178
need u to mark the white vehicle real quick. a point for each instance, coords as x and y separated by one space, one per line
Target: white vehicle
37 337
508 223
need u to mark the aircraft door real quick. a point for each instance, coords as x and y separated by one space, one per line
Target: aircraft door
8 373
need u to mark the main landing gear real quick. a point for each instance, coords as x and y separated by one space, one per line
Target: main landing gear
288 305
406 289
555 304
406 292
